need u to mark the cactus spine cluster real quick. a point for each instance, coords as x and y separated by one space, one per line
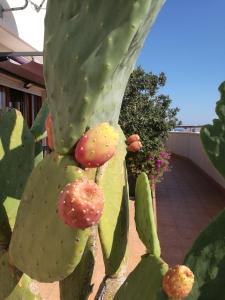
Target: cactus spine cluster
89 52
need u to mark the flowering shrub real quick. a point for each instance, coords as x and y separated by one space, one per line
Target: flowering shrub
150 115
158 165
154 165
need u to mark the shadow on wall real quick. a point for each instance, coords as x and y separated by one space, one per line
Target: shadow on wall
8 20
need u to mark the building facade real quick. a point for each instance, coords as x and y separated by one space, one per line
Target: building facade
21 77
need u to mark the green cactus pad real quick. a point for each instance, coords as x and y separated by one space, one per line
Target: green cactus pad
8 214
144 215
16 163
26 289
38 152
77 286
207 261
213 136
42 246
113 226
145 282
90 50
9 276
38 127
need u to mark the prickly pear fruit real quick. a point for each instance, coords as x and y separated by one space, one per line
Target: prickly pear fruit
134 147
132 138
178 282
48 126
96 146
81 203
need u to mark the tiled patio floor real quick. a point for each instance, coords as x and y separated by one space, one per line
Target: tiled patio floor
186 202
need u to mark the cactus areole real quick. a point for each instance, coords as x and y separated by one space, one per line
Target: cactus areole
81 203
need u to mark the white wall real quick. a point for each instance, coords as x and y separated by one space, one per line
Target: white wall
188 144
27 24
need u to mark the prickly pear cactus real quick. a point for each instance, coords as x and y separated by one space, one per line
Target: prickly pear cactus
144 215
38 127
207 256
90 50
145 282
16 163
9 276
113 226
86 72
78 284
51 249
206 259
213 136
26 289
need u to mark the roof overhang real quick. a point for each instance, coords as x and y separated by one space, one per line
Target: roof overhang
27 70
18 71
11 42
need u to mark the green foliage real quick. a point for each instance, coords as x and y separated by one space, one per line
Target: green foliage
148 114
213 136
144 216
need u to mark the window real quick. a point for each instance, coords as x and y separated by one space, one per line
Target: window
2 97
28 104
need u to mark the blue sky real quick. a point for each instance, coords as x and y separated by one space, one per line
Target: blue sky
187 42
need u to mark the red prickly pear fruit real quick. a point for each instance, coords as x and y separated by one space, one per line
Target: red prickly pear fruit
81 203
96 146
48 126
178 282
134 147
132 138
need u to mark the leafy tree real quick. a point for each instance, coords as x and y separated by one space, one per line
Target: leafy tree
148 114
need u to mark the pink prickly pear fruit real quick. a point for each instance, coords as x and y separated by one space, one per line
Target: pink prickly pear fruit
178 282
48 127
133 138
134 147
96 146
81 203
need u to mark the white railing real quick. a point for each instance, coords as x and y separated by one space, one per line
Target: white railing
188 145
